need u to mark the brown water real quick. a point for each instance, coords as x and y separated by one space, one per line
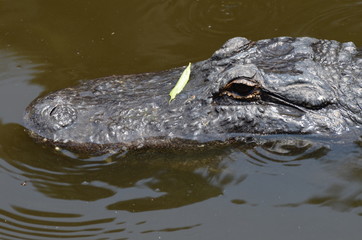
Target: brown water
287 188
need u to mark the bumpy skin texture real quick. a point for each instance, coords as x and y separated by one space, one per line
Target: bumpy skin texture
280 85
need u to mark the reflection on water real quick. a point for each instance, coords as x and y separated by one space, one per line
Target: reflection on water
288 152
30 224
344 193
86 198
15 71
280 187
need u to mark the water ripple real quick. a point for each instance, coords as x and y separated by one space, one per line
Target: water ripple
288 152
20 222
334 18
228 17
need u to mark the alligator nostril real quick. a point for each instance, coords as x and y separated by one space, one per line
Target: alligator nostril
64 115
52 112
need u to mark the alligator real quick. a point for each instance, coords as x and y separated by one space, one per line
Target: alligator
277 86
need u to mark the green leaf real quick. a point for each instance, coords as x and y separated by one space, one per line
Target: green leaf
181 83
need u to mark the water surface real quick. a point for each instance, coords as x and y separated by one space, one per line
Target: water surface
289 187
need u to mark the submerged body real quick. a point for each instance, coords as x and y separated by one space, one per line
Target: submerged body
276 86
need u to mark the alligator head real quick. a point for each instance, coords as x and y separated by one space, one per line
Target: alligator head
275 86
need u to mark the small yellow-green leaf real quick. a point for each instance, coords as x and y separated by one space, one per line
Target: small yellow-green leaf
181 83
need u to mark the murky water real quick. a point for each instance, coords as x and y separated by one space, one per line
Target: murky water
287 188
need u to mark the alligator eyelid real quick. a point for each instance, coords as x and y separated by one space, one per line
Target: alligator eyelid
250 79
241 81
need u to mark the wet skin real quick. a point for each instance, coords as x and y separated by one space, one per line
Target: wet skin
275 86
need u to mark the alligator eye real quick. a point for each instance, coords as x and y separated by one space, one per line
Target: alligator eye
241 89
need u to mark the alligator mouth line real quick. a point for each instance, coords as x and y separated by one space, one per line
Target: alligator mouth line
271 97
265 99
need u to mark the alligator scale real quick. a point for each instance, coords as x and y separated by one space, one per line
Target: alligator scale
275 86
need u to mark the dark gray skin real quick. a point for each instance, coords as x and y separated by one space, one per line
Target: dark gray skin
276 86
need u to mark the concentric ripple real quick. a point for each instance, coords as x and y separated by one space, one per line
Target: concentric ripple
288 152
228 17
335 18
22 223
